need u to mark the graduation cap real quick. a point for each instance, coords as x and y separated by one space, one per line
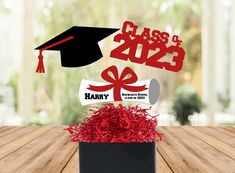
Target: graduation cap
78 46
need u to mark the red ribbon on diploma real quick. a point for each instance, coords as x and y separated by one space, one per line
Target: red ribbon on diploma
118 83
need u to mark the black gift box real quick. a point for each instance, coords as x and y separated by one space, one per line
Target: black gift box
117 157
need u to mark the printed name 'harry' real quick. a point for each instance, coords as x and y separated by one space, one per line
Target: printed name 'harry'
89 96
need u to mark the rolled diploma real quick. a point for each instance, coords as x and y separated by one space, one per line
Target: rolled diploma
149 95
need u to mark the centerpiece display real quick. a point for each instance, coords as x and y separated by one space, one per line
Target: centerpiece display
115 138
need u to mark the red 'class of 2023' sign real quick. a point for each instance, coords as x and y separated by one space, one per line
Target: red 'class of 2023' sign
159 42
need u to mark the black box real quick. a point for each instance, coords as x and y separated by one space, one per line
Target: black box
117 157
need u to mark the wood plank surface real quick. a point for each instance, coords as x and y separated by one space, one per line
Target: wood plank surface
7 130
54 158
19 142
72 166
224 136
18 132
198 148
26 154
179 158
184 149
216 143
161 165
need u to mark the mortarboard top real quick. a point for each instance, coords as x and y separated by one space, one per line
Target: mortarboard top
78 46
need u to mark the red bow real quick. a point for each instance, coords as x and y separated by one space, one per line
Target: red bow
118 83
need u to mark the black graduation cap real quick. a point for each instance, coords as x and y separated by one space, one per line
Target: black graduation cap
78 46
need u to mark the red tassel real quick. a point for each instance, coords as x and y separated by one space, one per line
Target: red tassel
40 68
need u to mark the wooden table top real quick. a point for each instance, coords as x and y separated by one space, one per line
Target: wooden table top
186 149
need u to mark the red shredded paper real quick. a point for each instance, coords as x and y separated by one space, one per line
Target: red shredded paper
117 124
